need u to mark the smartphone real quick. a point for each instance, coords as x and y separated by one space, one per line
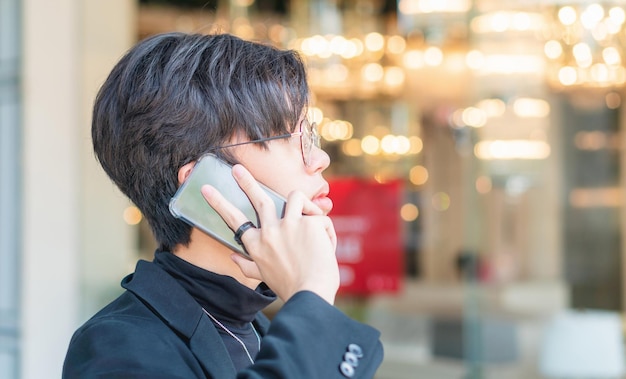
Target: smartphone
189 205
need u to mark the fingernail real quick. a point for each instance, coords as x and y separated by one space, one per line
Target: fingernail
207 190
237 171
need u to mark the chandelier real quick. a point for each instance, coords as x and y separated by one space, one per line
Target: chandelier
585 44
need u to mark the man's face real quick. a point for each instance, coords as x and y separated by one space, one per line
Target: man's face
281 168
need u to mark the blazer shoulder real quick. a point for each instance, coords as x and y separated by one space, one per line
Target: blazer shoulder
126 337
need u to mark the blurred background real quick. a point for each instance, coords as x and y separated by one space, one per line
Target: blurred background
478 173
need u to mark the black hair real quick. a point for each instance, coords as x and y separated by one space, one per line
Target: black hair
173 97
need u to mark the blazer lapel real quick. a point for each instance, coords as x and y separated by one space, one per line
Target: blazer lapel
207 346
183 314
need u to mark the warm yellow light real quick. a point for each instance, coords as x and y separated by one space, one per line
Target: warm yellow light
409 212
474 117
315 45
599 73
372 72
394 76
455 63
315 75
591 50
538 134
132 215
512 149
370 145
521 21
349 50
619 75
325 130
326 53
553 49
305 47
418 175
568 76
243 3
358 46
416 145
380 131
321 46
600 31
475 60
617 15
611 56
380 177
352 147
389 144
492 107
337 73
528 107
582 54
336 130
315 114
431 6
611 26
396 44
456 119
348 130
481 24
513 63
409 6
499 22
374 41
278 33
413 59
243 30
592 15
403 145
567 15
433 56
337 45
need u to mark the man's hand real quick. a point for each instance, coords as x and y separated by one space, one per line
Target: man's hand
291 254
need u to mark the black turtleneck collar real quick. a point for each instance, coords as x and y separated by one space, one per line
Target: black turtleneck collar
221 295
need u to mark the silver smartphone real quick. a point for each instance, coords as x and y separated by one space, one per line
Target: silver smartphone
189 205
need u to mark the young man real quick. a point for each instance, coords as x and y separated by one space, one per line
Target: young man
195 311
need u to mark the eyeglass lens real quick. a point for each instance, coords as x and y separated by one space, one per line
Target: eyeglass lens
309 138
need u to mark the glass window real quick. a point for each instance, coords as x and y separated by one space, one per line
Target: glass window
9 187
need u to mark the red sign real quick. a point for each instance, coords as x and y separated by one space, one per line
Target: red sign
366 215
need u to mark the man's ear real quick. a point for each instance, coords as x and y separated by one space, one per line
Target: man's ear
184 172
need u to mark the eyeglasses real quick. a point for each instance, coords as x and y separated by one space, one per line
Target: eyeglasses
309 137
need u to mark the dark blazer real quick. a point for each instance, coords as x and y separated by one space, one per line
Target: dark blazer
155 329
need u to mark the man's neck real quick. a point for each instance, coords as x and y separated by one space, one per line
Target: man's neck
207 253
